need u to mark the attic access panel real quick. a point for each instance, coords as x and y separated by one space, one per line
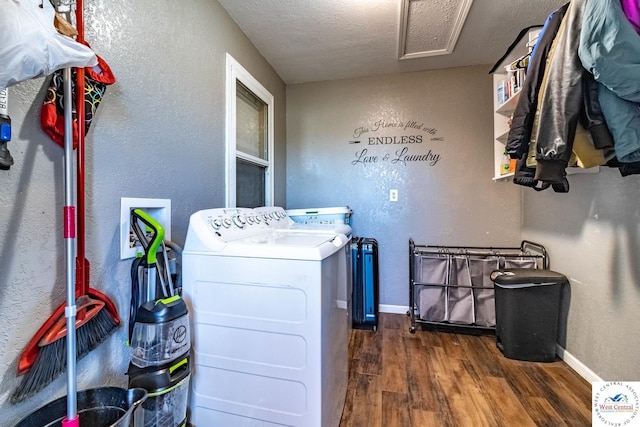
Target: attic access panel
430 27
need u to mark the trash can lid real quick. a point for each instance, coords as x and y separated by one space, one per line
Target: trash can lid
519 276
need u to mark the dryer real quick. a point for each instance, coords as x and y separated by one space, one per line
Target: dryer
270 336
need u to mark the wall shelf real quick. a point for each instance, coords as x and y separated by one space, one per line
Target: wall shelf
509 106
503 111
503 177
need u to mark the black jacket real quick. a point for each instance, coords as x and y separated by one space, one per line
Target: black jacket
522 123
523 117
560 107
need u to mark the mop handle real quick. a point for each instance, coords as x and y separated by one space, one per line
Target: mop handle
72 419
83 280
69 239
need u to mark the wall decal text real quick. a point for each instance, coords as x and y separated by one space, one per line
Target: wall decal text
409 148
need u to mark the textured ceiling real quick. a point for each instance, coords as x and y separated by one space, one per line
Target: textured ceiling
315 40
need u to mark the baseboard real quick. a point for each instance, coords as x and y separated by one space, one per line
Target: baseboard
395 309
575 364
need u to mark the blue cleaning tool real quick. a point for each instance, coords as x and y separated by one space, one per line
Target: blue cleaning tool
5 130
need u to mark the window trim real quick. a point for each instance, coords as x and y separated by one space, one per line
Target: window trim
236 72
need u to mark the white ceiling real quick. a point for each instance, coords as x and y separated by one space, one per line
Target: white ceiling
315 40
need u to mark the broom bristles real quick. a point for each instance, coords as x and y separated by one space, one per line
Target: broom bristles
51 361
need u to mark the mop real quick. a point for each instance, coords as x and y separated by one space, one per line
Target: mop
89 318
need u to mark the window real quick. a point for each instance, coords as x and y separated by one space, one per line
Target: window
249 165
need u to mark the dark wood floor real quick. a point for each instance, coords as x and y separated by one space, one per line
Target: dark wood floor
443 379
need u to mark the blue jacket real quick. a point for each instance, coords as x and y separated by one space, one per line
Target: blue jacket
609 49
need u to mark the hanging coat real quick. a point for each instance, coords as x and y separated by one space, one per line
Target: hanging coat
522 123
523 117
609 49
562 102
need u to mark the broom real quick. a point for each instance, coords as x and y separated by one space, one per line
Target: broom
45 357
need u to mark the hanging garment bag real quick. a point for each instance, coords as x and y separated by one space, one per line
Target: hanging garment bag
483 293
460 296
431 299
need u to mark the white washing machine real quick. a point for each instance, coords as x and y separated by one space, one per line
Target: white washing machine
282 219
270 336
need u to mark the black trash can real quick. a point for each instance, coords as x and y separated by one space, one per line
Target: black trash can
527 312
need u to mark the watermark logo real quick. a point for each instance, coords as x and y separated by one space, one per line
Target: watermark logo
615 403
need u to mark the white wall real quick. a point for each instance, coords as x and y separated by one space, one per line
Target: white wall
451 202
159 132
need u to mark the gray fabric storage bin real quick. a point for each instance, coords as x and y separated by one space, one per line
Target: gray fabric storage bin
451 286
522 262
431 299
460 307
483 293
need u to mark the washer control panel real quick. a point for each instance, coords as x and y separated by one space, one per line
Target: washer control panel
234 223
212 229
275 217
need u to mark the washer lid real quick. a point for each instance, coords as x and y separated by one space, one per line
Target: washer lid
320 228
286 245
285 238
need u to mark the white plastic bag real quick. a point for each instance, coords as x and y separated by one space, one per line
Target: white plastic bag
31 46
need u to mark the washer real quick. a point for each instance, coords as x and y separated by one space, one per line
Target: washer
269 322
282 219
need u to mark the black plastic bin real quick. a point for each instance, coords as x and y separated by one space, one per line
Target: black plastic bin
527 312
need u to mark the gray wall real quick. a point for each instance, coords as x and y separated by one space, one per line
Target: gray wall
591 233
159 133
451 202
